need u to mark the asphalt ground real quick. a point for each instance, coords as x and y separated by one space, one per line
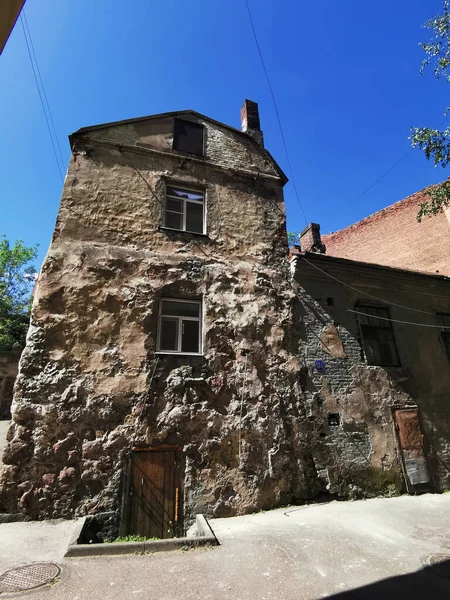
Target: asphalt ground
345 550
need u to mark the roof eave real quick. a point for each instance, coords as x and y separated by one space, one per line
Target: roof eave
358 263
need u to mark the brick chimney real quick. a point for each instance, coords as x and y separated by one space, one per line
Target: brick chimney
250 121
310 240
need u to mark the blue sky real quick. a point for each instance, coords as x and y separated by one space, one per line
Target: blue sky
345 75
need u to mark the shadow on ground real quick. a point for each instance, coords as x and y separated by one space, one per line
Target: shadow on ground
426 584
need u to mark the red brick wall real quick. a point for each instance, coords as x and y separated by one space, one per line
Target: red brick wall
394 237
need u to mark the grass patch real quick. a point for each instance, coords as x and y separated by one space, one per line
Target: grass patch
133 538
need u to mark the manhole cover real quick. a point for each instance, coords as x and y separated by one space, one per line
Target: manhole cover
28 577
440 563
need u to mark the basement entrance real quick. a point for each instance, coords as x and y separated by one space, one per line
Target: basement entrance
155 493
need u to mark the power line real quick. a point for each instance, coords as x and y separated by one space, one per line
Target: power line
398 321
41 99
276 111
43 88
371 186
376 181
365 293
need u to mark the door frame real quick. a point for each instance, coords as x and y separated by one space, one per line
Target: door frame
127 495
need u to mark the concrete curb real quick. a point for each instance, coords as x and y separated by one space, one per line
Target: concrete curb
206 537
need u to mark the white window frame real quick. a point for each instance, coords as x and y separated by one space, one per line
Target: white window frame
185 200
198 319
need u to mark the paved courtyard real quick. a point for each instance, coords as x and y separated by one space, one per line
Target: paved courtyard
352 550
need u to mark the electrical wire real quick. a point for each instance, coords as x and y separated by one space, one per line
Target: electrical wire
370 187
41 99
276 112
375 182
36 62
425 312
358 312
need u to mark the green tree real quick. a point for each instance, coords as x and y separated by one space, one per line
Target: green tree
16 284
436 143
293 238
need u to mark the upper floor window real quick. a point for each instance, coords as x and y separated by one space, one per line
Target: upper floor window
179 327
188 137
377 336
444 321
185 210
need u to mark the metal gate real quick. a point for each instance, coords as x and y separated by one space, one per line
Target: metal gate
412 452
155 493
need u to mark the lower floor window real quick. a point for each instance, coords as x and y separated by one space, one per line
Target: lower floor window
377 336
446 341
444 320
180 326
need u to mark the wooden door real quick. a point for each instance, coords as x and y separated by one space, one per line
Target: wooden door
155 493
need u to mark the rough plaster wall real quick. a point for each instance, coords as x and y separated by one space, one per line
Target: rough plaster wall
85 377
394 237
85 374
364 396
126 206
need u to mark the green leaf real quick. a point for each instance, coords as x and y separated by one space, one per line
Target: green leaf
439 200
16 284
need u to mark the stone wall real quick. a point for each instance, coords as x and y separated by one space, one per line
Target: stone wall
91 385
362 452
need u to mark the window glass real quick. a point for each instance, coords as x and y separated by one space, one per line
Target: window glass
446 341
174 205
169 334
187 194
179 326
377 336
174 220
194 217
188 137
444 319
181 309
184 210
190 336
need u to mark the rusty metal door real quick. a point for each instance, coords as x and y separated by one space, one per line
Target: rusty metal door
410 440
155 508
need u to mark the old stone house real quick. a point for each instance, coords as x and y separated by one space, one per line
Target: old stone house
170 365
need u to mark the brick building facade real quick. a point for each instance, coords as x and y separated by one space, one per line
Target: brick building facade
394 237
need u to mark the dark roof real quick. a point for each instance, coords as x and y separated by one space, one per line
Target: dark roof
178 113
326 258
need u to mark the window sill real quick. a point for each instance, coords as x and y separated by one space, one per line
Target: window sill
385 366
187 154
168 353
193 233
